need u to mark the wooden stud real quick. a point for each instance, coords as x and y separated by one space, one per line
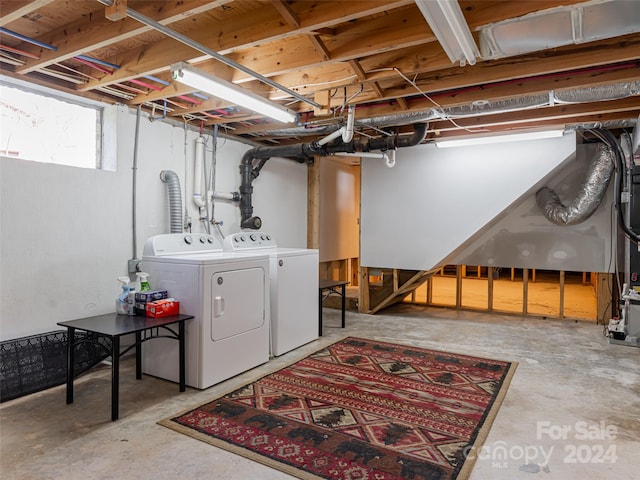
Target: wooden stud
562 278
313 205
363 291
458 286
525 291
116 11
490 288
355 272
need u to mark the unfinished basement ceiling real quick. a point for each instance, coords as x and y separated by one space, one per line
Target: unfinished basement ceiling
583 68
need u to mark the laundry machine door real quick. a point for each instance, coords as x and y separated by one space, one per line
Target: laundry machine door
237 302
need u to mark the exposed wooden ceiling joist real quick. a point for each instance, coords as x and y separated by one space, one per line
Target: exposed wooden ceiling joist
378 55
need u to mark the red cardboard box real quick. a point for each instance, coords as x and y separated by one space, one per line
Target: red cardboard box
162 308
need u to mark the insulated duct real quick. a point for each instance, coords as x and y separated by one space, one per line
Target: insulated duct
589 196
175 199
305 153
478 108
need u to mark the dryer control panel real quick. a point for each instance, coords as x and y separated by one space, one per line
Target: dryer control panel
248 241
174 243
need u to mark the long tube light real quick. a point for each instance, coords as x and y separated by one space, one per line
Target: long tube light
500 138
195 78
450 28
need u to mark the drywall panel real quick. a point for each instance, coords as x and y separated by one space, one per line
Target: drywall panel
524 238
339 209
419 213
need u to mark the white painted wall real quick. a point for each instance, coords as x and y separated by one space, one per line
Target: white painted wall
419 214
66 233
523 238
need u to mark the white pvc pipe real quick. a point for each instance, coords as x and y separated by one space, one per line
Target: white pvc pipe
224 196
347 131
331 136
364 154
197 173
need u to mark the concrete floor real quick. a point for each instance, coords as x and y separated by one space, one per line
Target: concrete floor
572 410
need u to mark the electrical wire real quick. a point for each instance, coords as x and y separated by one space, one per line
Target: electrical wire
439 108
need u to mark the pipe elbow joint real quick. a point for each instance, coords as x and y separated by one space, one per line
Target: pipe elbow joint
253 223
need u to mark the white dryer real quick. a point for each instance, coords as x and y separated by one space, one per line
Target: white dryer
294 288
228 294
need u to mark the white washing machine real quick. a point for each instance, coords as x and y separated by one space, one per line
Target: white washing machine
294 288
227 293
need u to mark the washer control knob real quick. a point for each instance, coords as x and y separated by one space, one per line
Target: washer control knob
202 240
188 239
253 237
236 239
209 239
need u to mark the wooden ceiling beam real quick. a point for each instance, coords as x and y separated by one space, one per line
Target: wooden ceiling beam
319 46
353 40
287 13
238 32
86 35
434 77
19 8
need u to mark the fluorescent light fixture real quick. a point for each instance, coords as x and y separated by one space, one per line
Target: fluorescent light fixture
203 81
499 138
450 28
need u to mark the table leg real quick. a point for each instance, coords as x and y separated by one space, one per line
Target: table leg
320 313
115 375
344 294
71 335
138 355
181 333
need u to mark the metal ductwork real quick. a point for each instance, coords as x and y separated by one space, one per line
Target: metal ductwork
305 153
589 196
175 199
478 108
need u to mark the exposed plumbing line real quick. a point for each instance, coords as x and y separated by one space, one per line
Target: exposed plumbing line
305 153
134 220
202 48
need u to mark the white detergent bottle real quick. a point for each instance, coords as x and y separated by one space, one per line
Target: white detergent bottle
122 304
144 282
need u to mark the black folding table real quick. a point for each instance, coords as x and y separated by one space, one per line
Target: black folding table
115 326
332 287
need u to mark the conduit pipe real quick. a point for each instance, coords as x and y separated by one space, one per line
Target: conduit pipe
589 196
197 173
175 199
207 51
305 153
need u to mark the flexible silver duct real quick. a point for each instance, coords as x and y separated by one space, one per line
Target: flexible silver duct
175 199
597 94
589 196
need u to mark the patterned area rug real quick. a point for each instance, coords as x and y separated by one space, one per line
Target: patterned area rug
359 409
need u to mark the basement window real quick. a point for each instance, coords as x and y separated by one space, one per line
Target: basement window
40 127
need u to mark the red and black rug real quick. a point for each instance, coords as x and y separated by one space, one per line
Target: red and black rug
359 409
